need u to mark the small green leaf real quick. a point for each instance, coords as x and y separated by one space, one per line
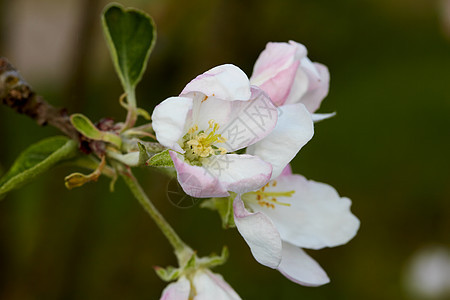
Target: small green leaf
84 126
161 159
224 206
37 159
130 34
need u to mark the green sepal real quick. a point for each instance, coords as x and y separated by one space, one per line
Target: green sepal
161 159
75 180
130 35
214 260
224 206
191 263
37 159
84 126
168 274
143 154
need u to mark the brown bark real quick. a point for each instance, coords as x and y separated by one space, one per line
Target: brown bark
16 93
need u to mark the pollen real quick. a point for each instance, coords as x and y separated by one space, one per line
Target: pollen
201 144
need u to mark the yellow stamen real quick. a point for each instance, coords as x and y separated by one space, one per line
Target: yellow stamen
268 199
203 144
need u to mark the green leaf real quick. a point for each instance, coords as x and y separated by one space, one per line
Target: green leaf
224 206
37 159
161 159
84 126
130 34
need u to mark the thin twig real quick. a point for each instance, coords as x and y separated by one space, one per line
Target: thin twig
17 94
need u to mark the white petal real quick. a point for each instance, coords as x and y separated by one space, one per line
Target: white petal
226 82
212 286
197 181
206 108
299 267
242 123
310 85
130 159
169 119
299 87
317 216
250 121
293 130
317 88
260 234
311 67
238 173
177 290
320 117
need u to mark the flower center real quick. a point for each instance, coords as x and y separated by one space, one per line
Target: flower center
266 198
201 144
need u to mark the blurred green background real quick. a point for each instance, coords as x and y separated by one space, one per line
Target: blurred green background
387 149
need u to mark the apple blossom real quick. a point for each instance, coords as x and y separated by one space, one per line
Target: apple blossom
291 213
201 285
292 131
297 86
215 115
284 71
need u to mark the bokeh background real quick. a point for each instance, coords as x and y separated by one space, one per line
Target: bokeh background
387 149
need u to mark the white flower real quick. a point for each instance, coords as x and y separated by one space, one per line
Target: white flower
202 285
216 114
291 213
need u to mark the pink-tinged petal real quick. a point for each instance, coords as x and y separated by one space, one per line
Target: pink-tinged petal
293 130
287 171
226 82
250 121
279 86
260 234
317 89
238 173
299 267
177 290
275 69
196 181
169 119
320 117
317 216
209 285
275 58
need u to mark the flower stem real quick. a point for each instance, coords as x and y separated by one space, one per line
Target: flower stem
132 110
182 251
